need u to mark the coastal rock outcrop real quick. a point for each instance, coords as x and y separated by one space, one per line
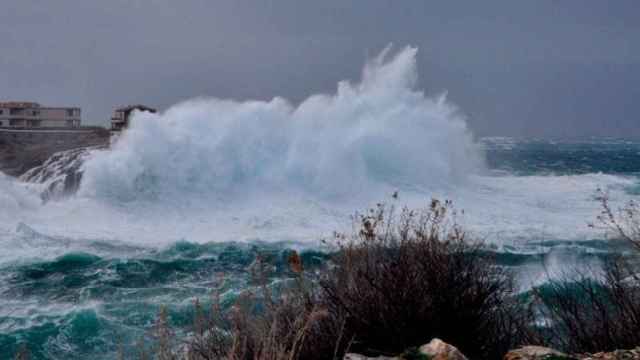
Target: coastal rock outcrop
536 353
543 353
440 350
21 151
61 174
633 354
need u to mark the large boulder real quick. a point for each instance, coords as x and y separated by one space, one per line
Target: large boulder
536 353
440 350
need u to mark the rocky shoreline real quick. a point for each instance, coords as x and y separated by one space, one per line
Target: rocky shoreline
21 151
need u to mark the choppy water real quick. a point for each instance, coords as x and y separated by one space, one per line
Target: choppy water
77 298
564 157
189 197
81 305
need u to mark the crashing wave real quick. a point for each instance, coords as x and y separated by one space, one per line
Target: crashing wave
60 175
217 170
380 131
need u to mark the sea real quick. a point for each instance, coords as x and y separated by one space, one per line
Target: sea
182 203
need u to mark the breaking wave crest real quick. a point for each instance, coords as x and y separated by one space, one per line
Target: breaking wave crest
218 170
378 131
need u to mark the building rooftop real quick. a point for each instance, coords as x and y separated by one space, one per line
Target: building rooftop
136 107
19 104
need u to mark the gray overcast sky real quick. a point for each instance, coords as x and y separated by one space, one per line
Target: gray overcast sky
522 68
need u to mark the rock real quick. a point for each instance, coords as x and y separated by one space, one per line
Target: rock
61 173
536 353
542 353
440 350
633 354
21 151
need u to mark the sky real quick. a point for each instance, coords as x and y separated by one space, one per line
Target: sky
544 68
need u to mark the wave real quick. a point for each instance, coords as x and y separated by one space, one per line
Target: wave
378 131
148 221
221 170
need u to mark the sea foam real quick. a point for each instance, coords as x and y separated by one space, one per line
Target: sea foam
380 130
212 169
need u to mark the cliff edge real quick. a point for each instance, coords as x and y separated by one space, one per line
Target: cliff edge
21 150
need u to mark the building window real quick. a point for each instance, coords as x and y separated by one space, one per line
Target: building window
14 111
1 111
70 112
1 121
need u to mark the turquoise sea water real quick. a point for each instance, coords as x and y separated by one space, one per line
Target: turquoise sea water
86 303
564 157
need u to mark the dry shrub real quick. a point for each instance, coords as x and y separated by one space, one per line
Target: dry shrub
599 311
623 223
588 315
281 327
404 280
396 283
265 323
164 337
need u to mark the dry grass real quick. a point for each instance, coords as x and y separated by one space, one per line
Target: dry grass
263 324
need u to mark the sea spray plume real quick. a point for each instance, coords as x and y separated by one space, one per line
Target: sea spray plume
378 132
60 175
14 197
381 130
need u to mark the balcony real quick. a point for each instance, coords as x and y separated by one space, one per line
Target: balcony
22 113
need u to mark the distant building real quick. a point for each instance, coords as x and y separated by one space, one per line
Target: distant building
27 115
120 118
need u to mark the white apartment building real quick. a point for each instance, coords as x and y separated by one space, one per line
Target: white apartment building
27 115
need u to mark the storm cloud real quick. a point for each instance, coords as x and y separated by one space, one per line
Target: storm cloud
535 68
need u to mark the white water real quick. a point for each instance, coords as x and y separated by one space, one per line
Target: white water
215 170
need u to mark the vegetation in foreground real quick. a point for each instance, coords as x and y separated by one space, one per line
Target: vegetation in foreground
402 278
599 311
